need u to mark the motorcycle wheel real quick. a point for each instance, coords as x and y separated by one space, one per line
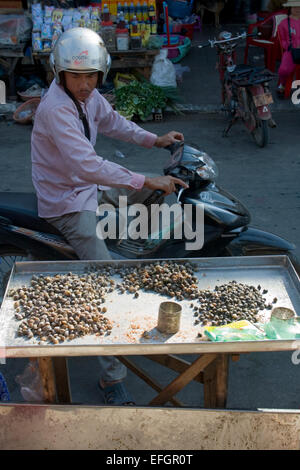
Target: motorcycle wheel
261 132
8 256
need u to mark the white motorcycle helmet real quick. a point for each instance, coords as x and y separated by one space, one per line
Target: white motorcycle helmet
80 50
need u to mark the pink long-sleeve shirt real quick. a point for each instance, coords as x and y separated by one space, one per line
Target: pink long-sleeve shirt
283 31
66 170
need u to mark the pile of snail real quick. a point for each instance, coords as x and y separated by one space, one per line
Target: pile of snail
68 306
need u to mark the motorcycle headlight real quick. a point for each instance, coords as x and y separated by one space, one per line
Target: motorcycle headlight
210 170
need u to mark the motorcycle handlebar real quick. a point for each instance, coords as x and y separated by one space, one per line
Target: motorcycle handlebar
173 147
213 42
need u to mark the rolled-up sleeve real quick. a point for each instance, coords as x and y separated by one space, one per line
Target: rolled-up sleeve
78 157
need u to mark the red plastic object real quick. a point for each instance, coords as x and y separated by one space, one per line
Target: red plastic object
31 107
173 52
271 45
166 12
189 30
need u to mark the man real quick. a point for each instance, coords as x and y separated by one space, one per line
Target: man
66 170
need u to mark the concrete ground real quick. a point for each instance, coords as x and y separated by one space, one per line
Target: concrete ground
265 180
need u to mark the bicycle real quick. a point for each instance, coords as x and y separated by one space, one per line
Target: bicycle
245 89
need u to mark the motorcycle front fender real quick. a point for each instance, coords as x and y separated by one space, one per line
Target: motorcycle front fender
252 241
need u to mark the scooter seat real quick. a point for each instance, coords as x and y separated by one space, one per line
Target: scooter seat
21 210
242 69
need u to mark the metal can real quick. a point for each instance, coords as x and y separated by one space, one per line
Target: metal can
169 316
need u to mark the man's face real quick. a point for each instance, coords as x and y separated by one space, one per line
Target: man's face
81 84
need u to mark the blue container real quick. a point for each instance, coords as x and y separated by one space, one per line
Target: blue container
179 9
4 393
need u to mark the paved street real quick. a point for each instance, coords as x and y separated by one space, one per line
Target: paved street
265 180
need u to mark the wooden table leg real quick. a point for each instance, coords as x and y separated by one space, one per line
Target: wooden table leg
174 363
183 379
48 379
146 378
215 382
55 379
62 381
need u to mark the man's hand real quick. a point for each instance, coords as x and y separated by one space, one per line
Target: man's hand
164 183
168 139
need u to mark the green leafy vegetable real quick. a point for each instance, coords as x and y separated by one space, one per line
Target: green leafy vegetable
139 99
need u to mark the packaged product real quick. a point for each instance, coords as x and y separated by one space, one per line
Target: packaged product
37 16
48 14
46 31
67 18
47 45
241 330
57 15
37 44
95 13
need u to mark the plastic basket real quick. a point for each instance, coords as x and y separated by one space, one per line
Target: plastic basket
27 97
174 40
25 113
178 51
183 49
179 9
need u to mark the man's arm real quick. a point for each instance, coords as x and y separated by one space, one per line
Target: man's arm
169 139
78 158
167 184
112 124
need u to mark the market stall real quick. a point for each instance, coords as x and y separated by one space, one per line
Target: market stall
134 33
125 30
129 324
15 34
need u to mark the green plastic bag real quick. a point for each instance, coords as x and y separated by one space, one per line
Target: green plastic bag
241 330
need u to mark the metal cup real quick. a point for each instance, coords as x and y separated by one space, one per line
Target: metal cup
169 315
282 313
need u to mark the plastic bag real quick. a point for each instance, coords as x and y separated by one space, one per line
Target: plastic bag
282 329
237 331
163 72
155 42
180 70
31 383
14 29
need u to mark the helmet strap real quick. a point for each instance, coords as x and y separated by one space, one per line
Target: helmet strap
82 116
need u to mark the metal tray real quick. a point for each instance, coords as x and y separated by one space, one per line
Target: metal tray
132 316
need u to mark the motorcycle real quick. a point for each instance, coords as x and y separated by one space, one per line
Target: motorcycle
226 230
245 89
